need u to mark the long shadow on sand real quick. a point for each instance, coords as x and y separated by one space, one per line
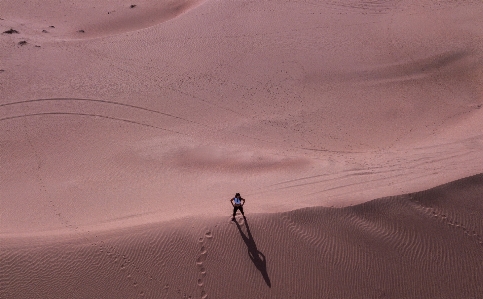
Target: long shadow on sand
255 255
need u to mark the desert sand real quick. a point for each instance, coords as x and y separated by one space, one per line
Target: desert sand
353 129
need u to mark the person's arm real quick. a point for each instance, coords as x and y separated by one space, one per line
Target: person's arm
231 201
243 201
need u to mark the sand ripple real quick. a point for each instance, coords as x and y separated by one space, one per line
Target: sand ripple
420 245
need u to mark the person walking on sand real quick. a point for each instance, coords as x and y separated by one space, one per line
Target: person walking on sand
237 202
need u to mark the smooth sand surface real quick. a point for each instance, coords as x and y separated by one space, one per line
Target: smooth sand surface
125 128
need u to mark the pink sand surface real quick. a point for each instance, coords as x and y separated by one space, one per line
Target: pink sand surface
117 116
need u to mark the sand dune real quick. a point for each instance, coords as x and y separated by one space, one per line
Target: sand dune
125 127
234 96
420 245
90 19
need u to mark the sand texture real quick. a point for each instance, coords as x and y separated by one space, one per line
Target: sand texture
420 245
125 128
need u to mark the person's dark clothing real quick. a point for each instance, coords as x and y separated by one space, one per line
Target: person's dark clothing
235 208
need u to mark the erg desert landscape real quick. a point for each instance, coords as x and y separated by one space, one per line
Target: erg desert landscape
353 130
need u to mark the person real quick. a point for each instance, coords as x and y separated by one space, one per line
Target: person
237 202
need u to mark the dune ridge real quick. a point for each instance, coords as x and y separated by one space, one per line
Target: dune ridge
424 244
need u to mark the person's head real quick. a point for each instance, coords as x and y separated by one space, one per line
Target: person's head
237 195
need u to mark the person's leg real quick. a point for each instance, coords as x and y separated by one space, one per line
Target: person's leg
241 210
234 211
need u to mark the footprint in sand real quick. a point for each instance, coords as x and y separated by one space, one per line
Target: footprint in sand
466 231
201 258
199 262
202 271
203 252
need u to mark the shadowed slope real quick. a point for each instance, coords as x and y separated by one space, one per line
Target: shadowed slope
422 245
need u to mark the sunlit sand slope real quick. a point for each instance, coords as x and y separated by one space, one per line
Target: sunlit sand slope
127 115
